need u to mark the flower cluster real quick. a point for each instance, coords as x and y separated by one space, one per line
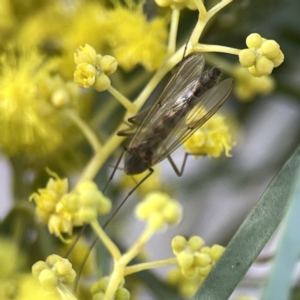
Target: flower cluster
62 210
247 86
92 69
159 210
99 288
195 261
262 55
86 202
212 138
53 272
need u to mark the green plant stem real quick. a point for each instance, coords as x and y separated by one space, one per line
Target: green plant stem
149 265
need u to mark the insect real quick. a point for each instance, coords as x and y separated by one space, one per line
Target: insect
169 122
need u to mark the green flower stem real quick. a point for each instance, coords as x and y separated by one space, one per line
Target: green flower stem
121 263
88 133
115 279
122 99
201 8
216 48
173 31
204 18
137 246
150 265
111 247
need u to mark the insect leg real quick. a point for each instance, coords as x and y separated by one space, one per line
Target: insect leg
127 196
172 163
113 172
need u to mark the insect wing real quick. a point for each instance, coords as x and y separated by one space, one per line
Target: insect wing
211 101
184 77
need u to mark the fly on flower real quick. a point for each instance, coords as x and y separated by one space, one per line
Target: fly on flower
173 118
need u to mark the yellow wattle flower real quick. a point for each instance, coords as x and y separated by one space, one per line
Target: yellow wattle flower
29 124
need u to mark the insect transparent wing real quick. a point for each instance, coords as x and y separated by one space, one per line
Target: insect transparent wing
187 73
211 101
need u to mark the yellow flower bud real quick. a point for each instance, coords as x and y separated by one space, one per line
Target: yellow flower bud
178 244
279 59
70 277
63 267
89 197
270 49
216 252
48 280
172 212
254 40
189 272
105 206
102 82
60 98
264 66
38 267
202 259
156 221
205 270
52 259
185 259
72 202
196 243
86 54
87 215
247 58
86 185
108 64
122 294
85 75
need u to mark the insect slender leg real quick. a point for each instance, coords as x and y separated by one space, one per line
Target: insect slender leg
127 196
113 172
87 254
172 163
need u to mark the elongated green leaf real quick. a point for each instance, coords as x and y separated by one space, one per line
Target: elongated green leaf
287 254
252 236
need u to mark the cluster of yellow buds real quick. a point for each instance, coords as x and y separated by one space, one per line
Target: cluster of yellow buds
92 69
194 258
247 86
262 55
178 4
53 271
159 209
99 288
86 202
62 210
195 261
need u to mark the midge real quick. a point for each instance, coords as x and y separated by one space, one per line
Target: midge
172 119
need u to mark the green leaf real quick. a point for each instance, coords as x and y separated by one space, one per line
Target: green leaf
287 254
252 236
